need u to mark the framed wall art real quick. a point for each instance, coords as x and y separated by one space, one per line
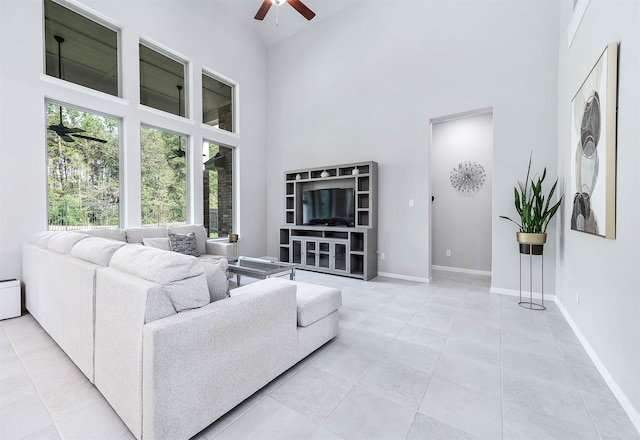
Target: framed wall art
593 148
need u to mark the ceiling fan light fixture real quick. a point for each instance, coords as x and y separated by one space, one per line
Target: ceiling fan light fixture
295 4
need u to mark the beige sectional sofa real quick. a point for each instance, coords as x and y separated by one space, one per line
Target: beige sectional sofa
140 323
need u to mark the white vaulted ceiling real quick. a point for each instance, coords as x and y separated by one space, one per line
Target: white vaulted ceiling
290 22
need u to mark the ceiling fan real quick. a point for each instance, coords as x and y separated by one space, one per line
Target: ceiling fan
68 133
297 5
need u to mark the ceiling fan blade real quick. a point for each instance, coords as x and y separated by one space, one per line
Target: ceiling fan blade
63 130
66 137
301 8
264 8
91 138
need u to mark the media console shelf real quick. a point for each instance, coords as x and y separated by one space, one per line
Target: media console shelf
341 250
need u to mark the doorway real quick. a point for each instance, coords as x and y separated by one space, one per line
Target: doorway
461 187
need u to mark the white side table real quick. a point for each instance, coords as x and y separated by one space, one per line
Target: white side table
10 300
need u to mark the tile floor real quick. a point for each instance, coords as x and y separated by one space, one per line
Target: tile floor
445 360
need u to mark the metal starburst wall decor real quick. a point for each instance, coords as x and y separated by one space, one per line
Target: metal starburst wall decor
468 177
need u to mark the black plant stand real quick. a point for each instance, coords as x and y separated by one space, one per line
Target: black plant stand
530 304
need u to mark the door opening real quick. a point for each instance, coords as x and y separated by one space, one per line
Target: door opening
461 157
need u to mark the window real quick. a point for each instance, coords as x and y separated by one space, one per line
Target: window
164 177
217 180
83 169
217 103
79 50
162 82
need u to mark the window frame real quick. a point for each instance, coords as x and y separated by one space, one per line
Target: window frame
235 101
121 173
187 91
187 149
98 18
235 193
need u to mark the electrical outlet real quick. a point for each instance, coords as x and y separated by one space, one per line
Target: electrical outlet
382 255
577 297
448 252
411 202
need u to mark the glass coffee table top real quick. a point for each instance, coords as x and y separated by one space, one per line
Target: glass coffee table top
260 268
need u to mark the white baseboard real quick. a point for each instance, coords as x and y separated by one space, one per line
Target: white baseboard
511 292
460 270
404 277
632 412
626 404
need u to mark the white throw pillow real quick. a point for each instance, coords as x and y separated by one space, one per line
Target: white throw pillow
217 271
158 243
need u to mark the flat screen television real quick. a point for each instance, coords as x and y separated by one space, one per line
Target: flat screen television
329 206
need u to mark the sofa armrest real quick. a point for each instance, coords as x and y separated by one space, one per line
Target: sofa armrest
200 364
224 248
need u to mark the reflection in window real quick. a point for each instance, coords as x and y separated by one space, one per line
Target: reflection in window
162 82
79 50
164 177
83 169
217 103
217 180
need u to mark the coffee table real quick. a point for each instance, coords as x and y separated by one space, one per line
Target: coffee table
260 268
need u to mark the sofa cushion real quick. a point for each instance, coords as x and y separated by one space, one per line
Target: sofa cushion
182 277
65 241
198 230
158 243
110 233
42 238
96 250
315 302
135 235
217 271
184 243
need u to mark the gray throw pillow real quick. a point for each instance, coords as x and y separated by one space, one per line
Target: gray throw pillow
184 244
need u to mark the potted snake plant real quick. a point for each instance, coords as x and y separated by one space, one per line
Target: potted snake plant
535 211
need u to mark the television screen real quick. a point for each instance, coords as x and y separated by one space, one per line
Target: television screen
330 206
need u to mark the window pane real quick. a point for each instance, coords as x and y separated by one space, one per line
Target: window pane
217 103
217 182
161 82
83 167
164 177
88 54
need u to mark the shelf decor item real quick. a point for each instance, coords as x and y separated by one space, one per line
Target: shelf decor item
233 238
593 148
324 174
535 211
468 177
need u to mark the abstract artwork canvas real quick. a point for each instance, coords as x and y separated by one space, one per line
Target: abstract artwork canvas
593 148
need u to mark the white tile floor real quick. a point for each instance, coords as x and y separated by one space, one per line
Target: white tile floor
446 360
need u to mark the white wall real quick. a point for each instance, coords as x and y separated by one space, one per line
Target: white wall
364 85
605 272
194 29
461 222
